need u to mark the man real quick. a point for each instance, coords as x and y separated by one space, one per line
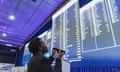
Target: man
38 62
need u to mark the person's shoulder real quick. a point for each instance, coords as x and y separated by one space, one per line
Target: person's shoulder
35 63
36 59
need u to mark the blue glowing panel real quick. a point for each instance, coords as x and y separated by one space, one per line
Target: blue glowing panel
26 55
114 13
87 33
104 25
66 31
95 27
58 32
72 32
104 36
27 15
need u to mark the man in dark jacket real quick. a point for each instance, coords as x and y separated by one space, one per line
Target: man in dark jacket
38 62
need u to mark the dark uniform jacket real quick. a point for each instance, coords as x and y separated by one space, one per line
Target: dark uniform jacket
41 64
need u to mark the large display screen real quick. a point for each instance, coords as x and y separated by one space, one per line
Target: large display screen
100 36
89 36
66 31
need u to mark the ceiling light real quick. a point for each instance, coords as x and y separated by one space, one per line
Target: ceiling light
4 34
12 17
3 40
12 50
9 45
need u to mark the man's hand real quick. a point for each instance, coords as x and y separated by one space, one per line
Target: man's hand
53 52
60 54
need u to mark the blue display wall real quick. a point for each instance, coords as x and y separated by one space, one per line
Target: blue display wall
99 38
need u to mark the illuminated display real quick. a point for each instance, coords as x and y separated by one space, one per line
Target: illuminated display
26 55
95 27
66 31
99 25
90 36
114 13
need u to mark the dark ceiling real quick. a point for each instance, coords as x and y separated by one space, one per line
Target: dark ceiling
20 18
